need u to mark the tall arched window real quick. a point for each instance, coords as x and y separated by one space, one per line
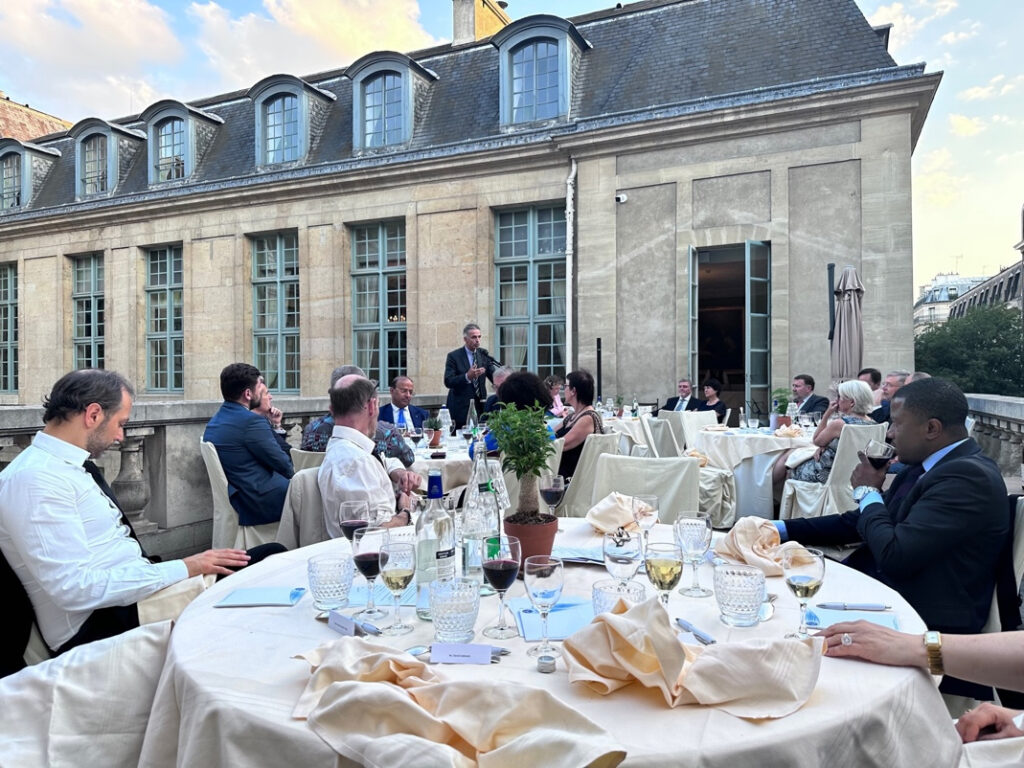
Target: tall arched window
535 77
383 120
10 181
94 165
281 129
170 154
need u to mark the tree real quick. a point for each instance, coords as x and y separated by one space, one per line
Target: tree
981 352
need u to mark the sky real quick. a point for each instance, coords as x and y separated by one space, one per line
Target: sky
112 58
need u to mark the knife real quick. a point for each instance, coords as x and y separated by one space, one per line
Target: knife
855 606
702 637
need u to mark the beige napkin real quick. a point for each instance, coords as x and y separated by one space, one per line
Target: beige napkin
169 602
379 707
612 512
698 455
790 430
754 679
799 455
755 541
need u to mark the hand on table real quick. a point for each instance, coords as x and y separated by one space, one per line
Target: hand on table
872 642
987 722
406 480
221 561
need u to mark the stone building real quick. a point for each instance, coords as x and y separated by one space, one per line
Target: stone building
20 121
670 177
933 302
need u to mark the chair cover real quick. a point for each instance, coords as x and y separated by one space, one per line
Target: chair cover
693 422
675 481
718 495
675 420
302 519
661 442
578 496
305 459
226 530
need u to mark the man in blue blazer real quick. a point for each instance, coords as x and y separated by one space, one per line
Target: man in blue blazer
936 534
400 410
257 466
804 397
466 371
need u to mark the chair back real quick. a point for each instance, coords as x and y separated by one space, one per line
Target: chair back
675 420
225 519
302 519
853 438
728 415
660 439
675 481
304 459
20 617
693 422
577 500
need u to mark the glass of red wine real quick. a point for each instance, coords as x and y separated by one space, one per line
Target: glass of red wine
879 453
353 515
552 489
367 556
501 557
416 435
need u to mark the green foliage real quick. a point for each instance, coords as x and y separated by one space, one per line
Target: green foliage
522 438
432 423
782 395
981 352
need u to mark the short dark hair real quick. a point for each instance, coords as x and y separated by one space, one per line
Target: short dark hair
236 378
806 378
470 327
935 399
524 390
77 390
873 373
583 382
352 397
715 384
398 378
553 381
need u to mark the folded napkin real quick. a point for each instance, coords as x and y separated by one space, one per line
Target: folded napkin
754 679
799 455
790 430
755 541
716 428
378 707
612 512
698 455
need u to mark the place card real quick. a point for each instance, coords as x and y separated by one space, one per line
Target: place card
259 596
460 653
340 623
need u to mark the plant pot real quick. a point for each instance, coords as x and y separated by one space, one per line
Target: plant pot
778 420
535 538
435 439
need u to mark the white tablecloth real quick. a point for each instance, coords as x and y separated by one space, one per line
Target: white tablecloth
455 468
229 685
750 456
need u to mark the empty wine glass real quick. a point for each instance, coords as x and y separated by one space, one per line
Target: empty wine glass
645 513
664 563
543 576
397 567
693 535
804 569
805 420
622 554
501 558
366 546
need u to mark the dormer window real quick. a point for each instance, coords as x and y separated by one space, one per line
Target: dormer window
94 165
386 87
10 181
538 59
177 138
23 169
289 116
170 149
103 153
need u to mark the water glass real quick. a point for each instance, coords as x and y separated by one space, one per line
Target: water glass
645 513
606 593
622 554
693 535
454 604
330 579
543 576
739 590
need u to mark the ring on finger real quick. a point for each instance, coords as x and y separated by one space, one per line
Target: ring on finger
845 639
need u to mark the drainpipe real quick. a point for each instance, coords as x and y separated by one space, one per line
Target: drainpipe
570 253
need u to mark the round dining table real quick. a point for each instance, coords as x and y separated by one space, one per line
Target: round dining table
231 681
456 466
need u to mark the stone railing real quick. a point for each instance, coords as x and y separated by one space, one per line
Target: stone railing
999 429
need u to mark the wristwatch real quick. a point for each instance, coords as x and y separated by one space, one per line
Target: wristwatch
933 647
863 490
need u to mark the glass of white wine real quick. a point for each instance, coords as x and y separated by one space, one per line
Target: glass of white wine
397 567
664 563
804 569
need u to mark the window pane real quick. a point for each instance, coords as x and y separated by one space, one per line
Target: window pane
534 81
9 327
379 305
10 181
276 309
170 151
281 129
165 320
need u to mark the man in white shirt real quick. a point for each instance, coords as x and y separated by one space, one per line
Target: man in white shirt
65 539
400 411
350 471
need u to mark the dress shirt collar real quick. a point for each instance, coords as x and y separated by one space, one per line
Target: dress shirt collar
353 436
61 449
934 459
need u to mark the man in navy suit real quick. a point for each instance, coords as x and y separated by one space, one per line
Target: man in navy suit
400 411
466 371
936 534
686 401
804 397
257 466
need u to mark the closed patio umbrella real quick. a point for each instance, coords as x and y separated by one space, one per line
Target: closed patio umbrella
848 336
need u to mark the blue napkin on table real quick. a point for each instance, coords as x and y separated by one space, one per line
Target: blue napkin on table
819 618
566 618
579 554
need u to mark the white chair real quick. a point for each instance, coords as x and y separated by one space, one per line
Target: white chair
969 424
694 422
302 519
994 624
675 481
728 415
803 499
661 443
718 495
675 420
305 459
577 501
226 530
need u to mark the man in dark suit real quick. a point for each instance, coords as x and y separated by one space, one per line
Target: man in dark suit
400 411
257 466
935 535
685 401
804 397
893 381
466 371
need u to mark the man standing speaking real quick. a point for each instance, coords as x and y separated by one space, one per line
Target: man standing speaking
466 371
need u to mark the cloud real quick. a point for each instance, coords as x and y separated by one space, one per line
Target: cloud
953 37
961 125
906 24
981 92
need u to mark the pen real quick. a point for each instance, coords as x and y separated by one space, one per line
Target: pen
855 606
702 637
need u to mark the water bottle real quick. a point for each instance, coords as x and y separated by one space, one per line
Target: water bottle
480 516
435 545
636 407
446 425
791 412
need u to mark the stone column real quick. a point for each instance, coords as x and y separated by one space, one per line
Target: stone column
132 485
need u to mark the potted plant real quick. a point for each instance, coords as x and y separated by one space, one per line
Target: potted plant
618 406
780 399
434 423
525 444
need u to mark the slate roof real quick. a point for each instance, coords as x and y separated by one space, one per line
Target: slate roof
663 56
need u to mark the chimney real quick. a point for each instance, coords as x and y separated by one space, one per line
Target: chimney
476 19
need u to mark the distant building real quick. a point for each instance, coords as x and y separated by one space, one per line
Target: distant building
1003 288
932 305
20 121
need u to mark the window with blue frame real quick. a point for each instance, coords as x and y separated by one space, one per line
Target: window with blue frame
87 300
170 158
383 121
535 78
8 327
94 165
10 181
165 320
379 299
275 287
281 129
530 289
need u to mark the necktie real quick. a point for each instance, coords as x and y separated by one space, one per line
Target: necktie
906 483
105 489
681 403
401 418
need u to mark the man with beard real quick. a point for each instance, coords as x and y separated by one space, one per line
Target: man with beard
61 531
257 466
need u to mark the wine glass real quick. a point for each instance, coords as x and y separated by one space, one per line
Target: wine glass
552 489
543 576
693 535
664 563
353 515
622 554
645 513
416 435
805 420
467 435
501 558
879 454
397 567
366 546
804 569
